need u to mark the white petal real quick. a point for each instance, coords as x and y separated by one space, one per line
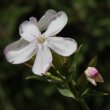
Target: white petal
45 20
21 54
62 46
92 81
43 61
57 24
17 44
33 19
29 30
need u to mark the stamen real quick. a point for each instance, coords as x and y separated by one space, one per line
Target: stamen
41 39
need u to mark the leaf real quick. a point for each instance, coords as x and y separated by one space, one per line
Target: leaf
66 92
53 78
75 59
97 93
38 77
93 62
34 77
90 92
46 77
82 81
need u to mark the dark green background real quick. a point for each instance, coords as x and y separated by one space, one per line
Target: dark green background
89 24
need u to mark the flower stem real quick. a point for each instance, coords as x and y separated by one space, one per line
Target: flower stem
28 65
83 104
77 98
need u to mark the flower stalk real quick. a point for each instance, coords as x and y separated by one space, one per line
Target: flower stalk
79 99
83 104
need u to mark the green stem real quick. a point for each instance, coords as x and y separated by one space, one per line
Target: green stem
77 98
81 101
58 73
83 104
71 86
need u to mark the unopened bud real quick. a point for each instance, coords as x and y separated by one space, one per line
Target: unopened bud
93 75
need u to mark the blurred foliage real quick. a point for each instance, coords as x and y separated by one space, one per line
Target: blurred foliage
89 24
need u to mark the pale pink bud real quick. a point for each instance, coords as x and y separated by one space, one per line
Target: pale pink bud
93 72
93 75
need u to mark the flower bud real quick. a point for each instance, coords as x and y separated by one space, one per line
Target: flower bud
93 75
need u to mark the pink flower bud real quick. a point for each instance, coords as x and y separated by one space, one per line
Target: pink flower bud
93 72
93 75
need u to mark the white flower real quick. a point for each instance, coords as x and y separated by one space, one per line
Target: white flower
93 75
33 42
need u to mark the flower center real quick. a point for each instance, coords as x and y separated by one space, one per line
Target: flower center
41 39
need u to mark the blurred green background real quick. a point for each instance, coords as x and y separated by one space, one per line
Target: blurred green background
89 24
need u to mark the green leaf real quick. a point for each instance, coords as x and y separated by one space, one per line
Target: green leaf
53 78
82 81
75 59
89 92
38 77
97 93
66 92
34 77
93 62
46 77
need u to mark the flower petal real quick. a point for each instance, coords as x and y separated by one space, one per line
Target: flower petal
62 46
21 54
45 20
57 24
43 61
17 44
92 81
33 19
29 30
